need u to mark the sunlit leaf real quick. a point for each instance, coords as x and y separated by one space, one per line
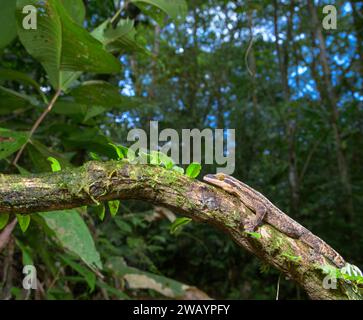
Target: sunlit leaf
100 211
178 224
193 170
24 221
55 165
113 206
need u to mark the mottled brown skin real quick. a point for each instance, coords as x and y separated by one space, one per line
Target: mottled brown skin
266 211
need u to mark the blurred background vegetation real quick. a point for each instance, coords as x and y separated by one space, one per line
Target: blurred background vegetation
295 101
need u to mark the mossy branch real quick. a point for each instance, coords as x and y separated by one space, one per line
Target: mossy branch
103 181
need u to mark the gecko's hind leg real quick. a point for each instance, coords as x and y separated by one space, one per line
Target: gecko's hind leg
257 220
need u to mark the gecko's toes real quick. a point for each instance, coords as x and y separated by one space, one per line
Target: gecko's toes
250 226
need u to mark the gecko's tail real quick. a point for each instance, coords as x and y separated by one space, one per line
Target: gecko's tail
324 249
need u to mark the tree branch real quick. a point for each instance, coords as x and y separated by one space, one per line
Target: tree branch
103 181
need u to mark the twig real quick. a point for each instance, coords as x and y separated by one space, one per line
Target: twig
37 124
5 235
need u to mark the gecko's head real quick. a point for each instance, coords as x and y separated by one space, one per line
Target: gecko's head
219 181
214 177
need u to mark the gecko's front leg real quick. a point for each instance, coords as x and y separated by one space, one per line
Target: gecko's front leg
256 221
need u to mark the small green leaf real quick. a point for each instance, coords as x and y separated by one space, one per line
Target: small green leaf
114 205
24 222
179 223
178 169
193 170
54 164
100 211
120 150
4 219
166 161
329 270
255 235
94 156
154 158
291 257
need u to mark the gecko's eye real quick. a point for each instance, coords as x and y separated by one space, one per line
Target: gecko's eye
220 176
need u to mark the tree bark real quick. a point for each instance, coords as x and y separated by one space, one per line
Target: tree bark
102 181
290 125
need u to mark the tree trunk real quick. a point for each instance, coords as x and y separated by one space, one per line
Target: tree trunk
283 60
328 94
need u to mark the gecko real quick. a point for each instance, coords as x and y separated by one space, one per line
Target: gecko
268 212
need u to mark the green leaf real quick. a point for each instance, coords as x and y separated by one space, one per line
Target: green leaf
88 276
26 253
44 43
73 234
62 45
166 161
255 235
55 165
120 150
123 38
13 75
329 270
111 290
76 10
123 225
24 222
98 93
10 142
100 211
39 154
138 279
193 170
8 22
11 101
4 219
113 206
173 8
94 156
178 224
94 111
178 169
291 257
